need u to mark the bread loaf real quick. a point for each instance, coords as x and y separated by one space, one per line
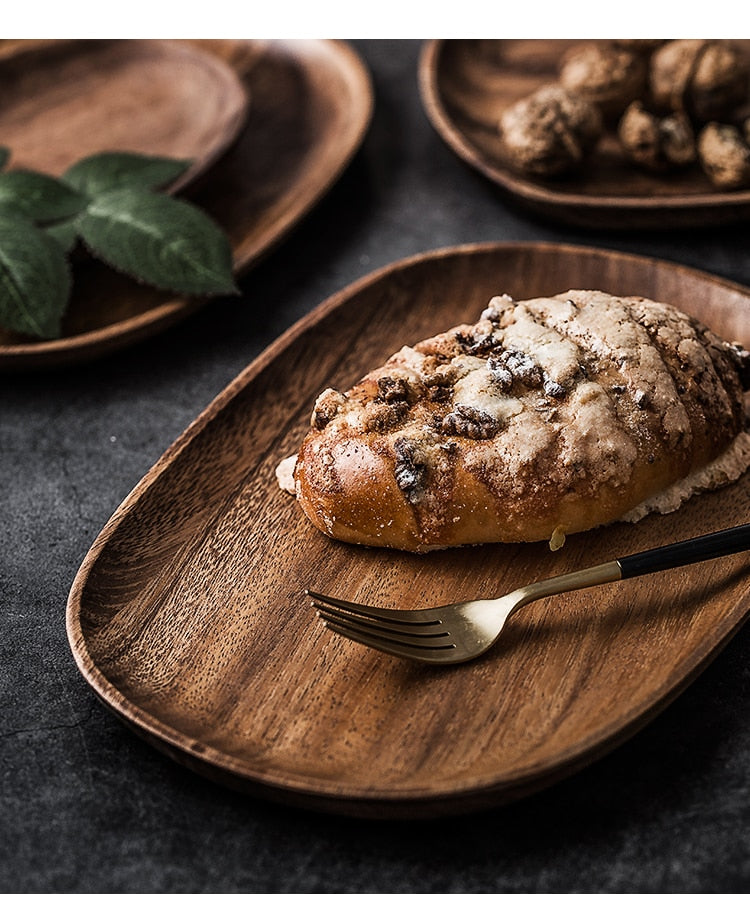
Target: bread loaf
547 417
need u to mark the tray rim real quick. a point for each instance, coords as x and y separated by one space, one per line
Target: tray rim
303 790
539 196
174 48
91 344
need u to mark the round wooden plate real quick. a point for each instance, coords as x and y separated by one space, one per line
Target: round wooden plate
466 85
311 107
188 615
61 101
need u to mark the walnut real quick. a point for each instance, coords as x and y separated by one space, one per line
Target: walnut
500 374
381 416
609 76
392 390
724 154
409 472
476 344
497 307
654 142
440 383
512 365
326 408
550 132
553 389
706 78
439 393
470 422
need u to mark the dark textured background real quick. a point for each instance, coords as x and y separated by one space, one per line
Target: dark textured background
88 807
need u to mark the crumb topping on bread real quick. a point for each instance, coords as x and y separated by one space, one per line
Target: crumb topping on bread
543 403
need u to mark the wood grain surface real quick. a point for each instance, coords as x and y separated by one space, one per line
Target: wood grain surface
467 84
61 101
311 106
188 615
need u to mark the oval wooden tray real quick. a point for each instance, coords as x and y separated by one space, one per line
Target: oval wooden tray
188 616
311 107
465 86
61 101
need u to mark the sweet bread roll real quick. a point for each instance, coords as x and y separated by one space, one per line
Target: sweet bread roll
547 417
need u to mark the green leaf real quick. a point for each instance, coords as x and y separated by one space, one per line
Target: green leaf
4 156
158 240
65 233
105 172
38 197
35 279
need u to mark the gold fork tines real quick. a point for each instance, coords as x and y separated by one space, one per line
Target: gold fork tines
458 632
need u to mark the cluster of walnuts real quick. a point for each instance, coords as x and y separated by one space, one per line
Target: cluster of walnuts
671 104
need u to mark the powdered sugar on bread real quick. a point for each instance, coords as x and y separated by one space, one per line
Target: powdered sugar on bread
548 415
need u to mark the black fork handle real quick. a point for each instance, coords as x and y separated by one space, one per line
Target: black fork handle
695 550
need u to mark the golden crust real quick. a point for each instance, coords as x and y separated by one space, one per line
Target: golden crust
549 415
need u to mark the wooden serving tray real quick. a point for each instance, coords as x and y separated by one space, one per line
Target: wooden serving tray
188 616
62 101
466 84
311 107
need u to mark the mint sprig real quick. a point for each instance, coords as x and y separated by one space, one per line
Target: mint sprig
111 203
105 172
38 197
157 240
35 279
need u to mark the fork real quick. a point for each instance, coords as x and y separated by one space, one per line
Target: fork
458 632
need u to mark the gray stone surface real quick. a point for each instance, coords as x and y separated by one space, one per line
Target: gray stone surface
88 807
